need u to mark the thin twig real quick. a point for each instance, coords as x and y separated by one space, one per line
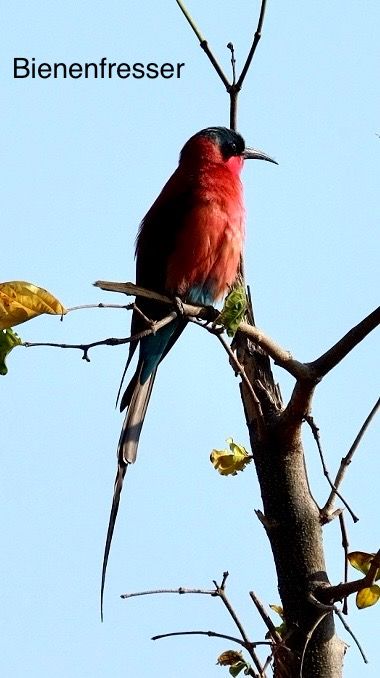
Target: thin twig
345 546
211 634
266 618
127 307
217 592
204 44
354 638
181 590
110 341
256 40
315 431
346 461
239 369
233 61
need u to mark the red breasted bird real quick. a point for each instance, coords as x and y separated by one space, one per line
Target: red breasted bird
188 246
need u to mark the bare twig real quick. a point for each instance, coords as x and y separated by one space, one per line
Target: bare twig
256 40
354 638
110 341
181 590
266 618
233 61
217 592
127 307
212 634
204 44
315 431
239 369
345 546
346 461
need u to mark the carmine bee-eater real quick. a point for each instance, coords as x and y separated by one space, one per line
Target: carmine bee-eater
188 246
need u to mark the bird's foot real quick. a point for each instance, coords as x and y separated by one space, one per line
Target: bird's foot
178 304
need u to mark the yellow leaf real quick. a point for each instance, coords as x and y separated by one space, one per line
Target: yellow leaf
278 609
21 301
229 657
229 463
362 561
368 596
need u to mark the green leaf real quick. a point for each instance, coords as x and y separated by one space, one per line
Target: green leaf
8 340
232 313
236 668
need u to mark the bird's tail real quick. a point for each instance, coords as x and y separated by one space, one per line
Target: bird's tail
121 471
136 398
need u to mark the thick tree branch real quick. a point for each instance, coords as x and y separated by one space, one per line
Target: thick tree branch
321 366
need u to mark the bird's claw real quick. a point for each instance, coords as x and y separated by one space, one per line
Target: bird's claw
178 303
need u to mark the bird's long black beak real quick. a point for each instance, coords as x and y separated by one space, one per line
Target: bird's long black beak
255 154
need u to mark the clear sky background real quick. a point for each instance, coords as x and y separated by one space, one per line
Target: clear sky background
82 160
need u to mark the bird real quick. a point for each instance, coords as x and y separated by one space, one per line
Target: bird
188 246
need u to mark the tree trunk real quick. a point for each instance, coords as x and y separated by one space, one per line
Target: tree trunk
292 522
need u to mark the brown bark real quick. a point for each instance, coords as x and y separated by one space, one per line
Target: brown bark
292 523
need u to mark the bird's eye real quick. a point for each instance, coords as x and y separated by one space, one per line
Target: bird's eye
233 148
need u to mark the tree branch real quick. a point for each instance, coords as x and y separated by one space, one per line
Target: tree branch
315 431
331 594
204 44
321 366
110 341
256 40
212 634
346 461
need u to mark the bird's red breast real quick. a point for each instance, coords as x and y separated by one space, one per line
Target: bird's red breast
208 245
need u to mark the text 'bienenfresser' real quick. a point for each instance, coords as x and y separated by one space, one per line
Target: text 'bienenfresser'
29 68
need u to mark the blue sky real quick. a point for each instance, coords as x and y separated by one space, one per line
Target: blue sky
82 162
